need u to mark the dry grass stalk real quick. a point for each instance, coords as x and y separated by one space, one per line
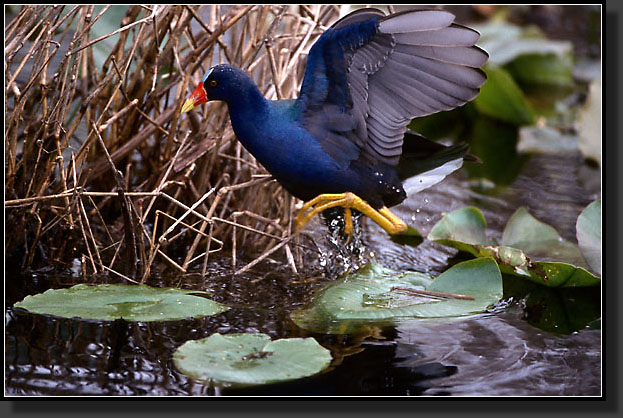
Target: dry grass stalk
78 116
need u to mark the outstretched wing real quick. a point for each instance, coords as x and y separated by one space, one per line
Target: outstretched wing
369 74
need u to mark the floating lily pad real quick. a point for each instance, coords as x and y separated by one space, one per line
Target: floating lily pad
464 227
588 232
108 302
376 293
410 237
560 310
250 359
529 248
539 240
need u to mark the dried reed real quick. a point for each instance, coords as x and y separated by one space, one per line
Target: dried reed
99 164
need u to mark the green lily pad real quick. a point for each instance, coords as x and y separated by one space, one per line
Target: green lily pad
464 227
561 310
501 98
376 293
588 232
529 248
250 359
410 237
539 240
108 302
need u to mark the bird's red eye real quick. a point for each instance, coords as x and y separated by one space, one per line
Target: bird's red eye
213 83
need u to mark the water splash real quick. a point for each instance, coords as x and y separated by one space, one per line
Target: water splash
340 252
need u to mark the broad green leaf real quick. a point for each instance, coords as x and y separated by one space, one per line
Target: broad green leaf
250 359
550 69
529 248
466 225
108 302
554 274
588 232
561 311
501 98
539 240
410 237
376 293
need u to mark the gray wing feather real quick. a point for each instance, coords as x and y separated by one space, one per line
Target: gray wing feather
418 63
427 20
451 36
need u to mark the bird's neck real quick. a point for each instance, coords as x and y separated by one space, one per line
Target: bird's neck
248 112
248 100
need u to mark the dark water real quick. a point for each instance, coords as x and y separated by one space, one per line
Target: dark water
537 341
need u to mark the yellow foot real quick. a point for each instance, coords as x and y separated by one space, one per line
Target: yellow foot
383 217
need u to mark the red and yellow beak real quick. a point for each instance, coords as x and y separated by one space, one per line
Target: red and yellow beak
197 97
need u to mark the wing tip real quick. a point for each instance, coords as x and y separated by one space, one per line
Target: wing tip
416 20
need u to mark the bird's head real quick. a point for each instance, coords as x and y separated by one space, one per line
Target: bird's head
222 82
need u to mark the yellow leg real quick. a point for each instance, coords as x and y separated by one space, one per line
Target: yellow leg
383 217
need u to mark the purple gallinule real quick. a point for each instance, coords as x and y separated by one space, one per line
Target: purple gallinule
366 78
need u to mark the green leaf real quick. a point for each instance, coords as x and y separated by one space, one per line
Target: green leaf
465 226
527 250
410 237
550 69
588 232
250 359
554 274
501 98
108 302
376 293
539 240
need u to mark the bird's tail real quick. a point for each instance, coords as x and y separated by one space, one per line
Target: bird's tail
421 155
